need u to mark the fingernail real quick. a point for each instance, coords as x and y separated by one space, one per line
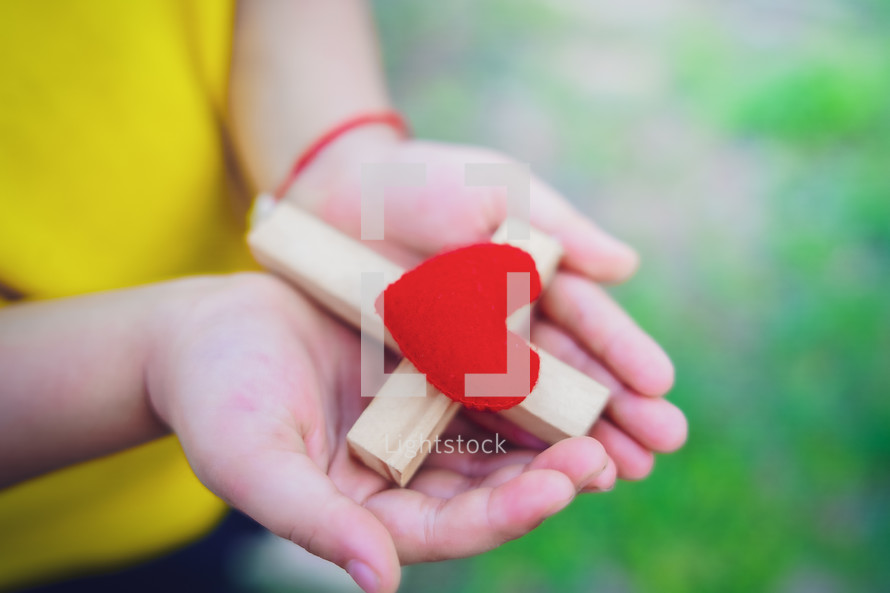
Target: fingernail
586 480
363 576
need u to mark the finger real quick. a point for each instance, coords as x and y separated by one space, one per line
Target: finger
632 460
263 471
588 249
427 529
582 459
554 340
602 327
261 465
655 423
605 481
505 504
305 507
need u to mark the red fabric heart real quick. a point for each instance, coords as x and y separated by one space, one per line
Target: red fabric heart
448 316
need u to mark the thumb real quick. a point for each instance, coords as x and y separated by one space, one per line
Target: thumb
289 494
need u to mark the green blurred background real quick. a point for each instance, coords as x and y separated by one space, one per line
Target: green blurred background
744 148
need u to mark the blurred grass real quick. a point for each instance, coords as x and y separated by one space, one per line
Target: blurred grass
745 148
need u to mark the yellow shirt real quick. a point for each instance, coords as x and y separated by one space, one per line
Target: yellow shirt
112 173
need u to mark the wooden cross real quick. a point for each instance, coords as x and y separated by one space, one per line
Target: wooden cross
389 435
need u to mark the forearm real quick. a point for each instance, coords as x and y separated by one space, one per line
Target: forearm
73 383
299 68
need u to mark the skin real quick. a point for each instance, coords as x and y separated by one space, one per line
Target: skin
247 358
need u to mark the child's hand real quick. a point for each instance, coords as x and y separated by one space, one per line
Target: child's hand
261 388
578 322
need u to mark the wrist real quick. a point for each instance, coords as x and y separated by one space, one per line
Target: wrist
367 144
363 137
168 325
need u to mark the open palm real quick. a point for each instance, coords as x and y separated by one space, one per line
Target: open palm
261 387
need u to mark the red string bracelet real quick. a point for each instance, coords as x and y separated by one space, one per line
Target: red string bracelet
390 118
